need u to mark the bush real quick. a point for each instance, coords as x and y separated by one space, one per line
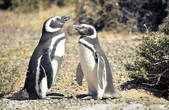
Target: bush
108 14
151 64
4 4
64 2
140 12
103 14
164 27
30 5
24 5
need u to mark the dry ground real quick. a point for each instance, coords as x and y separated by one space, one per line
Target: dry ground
19 35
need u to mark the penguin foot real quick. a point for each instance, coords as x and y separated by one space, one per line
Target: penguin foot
113 95
85 96
46 98
55 96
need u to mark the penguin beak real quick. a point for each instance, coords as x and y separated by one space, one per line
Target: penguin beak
65 18
77 27
80 29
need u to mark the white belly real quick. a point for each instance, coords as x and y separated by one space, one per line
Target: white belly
88 64
60 49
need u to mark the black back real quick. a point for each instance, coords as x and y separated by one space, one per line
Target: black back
42 49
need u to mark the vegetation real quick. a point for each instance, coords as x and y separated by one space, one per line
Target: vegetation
164 27
99 13
30 5
108 14
151 64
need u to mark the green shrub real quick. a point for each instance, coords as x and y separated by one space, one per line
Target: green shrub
151 64
9 75
164 27
24 5
4 4
31 5
99 13
130 14
64 2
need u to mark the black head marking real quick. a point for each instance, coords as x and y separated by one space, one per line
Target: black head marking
55 23
86 30
90 31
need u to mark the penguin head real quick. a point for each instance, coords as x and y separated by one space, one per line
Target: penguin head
86 30
55 23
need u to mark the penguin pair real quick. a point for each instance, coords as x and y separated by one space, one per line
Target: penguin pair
47 57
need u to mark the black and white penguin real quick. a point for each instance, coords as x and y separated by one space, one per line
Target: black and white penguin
46 58
94 65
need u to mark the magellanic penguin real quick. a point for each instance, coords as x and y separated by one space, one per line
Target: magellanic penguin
46 58
94 65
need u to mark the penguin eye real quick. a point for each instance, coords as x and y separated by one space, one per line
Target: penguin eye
56 19
84 27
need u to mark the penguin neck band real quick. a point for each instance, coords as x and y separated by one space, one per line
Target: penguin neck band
87 45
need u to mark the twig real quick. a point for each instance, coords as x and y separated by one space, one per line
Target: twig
158 76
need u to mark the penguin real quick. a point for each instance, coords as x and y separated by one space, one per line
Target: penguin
46 59
94 65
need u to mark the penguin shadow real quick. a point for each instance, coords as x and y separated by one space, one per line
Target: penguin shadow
136 85
84 96
88 97
55 96
22 95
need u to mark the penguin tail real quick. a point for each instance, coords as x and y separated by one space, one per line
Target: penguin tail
20 95
24 88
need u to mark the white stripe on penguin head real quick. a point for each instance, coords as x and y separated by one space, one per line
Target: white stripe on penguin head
94 34
50 29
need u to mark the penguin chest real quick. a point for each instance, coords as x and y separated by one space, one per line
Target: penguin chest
58 54
88 64
87 59
60 48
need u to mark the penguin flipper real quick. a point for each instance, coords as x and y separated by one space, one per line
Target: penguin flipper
101 71
47 68
79 75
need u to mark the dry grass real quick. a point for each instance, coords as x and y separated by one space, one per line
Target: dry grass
12 68
35 19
